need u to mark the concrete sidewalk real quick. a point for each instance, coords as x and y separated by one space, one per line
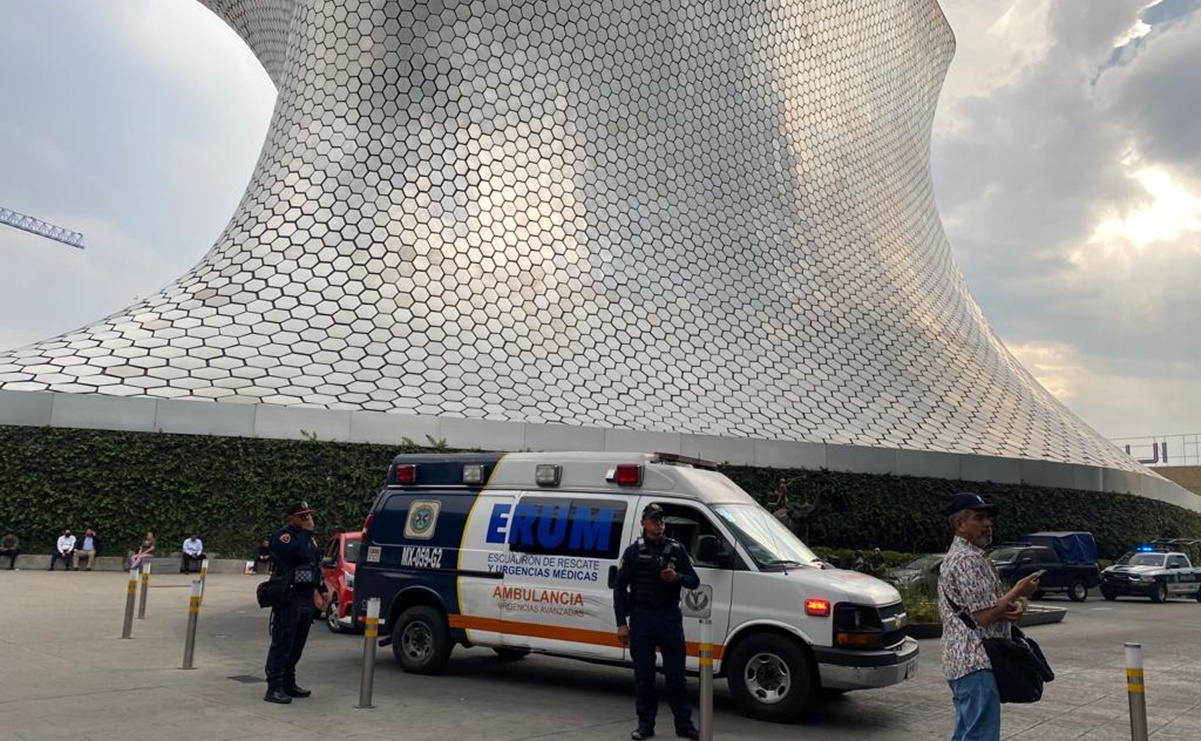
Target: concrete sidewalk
67 676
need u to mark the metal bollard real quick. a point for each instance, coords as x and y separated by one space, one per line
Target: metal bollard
204 574
189 646
1134 690
370 630
131 593
706 658
145 588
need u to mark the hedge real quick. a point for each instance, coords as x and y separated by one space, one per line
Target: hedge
233 490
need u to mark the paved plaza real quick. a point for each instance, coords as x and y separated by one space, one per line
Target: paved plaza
67 675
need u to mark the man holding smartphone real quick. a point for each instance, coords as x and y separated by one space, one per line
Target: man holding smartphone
969 579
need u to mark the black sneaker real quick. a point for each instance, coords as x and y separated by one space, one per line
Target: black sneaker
297 691
277 696
640 733
692 733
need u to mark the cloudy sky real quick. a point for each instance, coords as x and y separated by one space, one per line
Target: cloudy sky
1066 160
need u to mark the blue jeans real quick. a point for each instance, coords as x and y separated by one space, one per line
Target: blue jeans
977 707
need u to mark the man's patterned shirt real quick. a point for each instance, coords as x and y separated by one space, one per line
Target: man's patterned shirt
969 578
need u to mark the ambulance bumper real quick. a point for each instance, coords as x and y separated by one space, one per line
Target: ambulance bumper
845 669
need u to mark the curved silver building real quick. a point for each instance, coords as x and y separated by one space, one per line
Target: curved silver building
703 218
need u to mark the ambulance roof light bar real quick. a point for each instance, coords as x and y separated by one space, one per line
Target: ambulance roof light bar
406 473
548 474
676 459
625 474
473 475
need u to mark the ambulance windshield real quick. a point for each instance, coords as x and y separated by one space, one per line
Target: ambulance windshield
772 545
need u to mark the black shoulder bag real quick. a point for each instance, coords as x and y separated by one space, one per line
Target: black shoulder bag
271 591
1018 662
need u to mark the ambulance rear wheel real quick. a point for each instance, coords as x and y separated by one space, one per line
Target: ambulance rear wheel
421 640
771 678
511 654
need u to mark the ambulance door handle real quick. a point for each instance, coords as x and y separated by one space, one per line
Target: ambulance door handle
612 576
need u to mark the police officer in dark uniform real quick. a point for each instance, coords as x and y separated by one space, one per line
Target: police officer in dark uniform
647 592
294 552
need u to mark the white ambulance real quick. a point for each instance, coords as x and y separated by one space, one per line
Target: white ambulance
518 552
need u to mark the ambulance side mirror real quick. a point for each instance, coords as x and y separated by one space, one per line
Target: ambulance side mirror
328 563
709 551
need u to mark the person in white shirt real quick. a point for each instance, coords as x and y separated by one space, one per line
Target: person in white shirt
193 554
89 546
65 549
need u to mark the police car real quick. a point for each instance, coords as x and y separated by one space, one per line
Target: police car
518 552
1154 572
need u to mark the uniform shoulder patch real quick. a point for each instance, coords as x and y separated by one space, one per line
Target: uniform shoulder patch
285 538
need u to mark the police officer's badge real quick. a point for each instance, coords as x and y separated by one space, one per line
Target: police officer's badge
285 537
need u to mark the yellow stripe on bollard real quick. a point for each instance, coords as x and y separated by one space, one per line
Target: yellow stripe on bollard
133 586
194 604
1134 681
705 654
371 630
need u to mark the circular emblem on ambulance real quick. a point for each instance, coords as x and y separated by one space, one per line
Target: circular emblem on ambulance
423 516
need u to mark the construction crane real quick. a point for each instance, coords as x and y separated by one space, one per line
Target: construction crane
41 228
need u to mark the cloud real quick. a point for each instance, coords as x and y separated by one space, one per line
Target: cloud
1154 20
1072 208
1168 213
1120 399
139 125
55 276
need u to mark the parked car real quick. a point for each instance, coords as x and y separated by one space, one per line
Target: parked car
920 574
1014 562
1157 575
338 569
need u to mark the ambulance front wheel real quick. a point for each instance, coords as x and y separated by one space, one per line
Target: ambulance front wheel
421 640
771 677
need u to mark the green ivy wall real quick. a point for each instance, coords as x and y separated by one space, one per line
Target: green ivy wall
233 491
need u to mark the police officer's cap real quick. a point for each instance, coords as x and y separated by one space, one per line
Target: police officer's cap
299 508
652 511
970 500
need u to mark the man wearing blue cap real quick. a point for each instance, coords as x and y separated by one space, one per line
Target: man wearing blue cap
968 579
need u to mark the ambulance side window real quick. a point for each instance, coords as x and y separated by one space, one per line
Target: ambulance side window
691 527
